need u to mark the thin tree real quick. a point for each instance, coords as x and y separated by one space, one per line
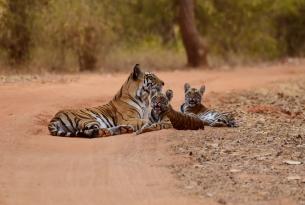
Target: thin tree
196 51
87 49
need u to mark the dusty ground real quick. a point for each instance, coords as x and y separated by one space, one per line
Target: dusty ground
248 164
236 167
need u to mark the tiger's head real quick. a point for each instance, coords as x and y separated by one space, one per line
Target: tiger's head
160 102
193 96
139 84
148 80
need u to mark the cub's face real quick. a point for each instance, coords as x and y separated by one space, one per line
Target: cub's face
160 101
193 96
152 82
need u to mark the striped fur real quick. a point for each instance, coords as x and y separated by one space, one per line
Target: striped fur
192 105
163 116
125 113
157 119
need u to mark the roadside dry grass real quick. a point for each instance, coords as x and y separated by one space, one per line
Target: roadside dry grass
45 78
249 164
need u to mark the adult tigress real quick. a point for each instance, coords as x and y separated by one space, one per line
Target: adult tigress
125 113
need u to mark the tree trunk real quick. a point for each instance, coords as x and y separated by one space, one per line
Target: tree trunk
87 50
195 50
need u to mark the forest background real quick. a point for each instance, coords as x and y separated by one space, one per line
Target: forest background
112 35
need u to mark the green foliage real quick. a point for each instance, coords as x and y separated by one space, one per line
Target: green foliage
86 30
256 29
15 26
241 27
77 28
290 24
86 34
146 18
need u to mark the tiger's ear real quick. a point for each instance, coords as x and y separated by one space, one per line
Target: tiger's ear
202 89
186 87
169 94
136 72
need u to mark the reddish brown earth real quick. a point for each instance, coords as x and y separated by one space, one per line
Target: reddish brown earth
36 168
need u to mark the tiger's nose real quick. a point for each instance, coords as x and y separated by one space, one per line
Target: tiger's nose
162 82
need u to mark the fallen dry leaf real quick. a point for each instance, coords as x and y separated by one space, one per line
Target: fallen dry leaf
292 162
294 177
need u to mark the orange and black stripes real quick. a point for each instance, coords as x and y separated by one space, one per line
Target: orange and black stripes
182 121
163 116
123 114
192 105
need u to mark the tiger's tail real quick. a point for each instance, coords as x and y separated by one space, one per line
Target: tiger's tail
182 121
52 129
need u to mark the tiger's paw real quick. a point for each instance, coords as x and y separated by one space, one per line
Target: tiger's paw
126 129
104 132
92 132
140 131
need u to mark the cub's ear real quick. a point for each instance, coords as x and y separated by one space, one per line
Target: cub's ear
169 94
186 87
202 89
136 72
153 92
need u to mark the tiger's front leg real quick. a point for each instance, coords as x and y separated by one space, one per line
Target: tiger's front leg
117 130
127 127
137 124
154 127
144 128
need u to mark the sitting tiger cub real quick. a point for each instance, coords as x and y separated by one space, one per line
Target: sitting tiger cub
163 116
193 105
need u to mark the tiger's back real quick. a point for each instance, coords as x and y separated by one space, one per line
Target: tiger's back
72 122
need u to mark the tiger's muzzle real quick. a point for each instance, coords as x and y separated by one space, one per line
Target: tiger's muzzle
192 102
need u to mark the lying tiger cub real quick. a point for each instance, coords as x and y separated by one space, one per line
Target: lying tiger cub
192 105
163 116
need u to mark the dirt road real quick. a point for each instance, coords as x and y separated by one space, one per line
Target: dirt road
36 168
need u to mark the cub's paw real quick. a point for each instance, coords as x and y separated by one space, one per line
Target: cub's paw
218 123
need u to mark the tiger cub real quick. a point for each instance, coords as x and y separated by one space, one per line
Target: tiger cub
163 116
192 105
125 113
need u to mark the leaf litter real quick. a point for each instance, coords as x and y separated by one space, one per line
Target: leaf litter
261 160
